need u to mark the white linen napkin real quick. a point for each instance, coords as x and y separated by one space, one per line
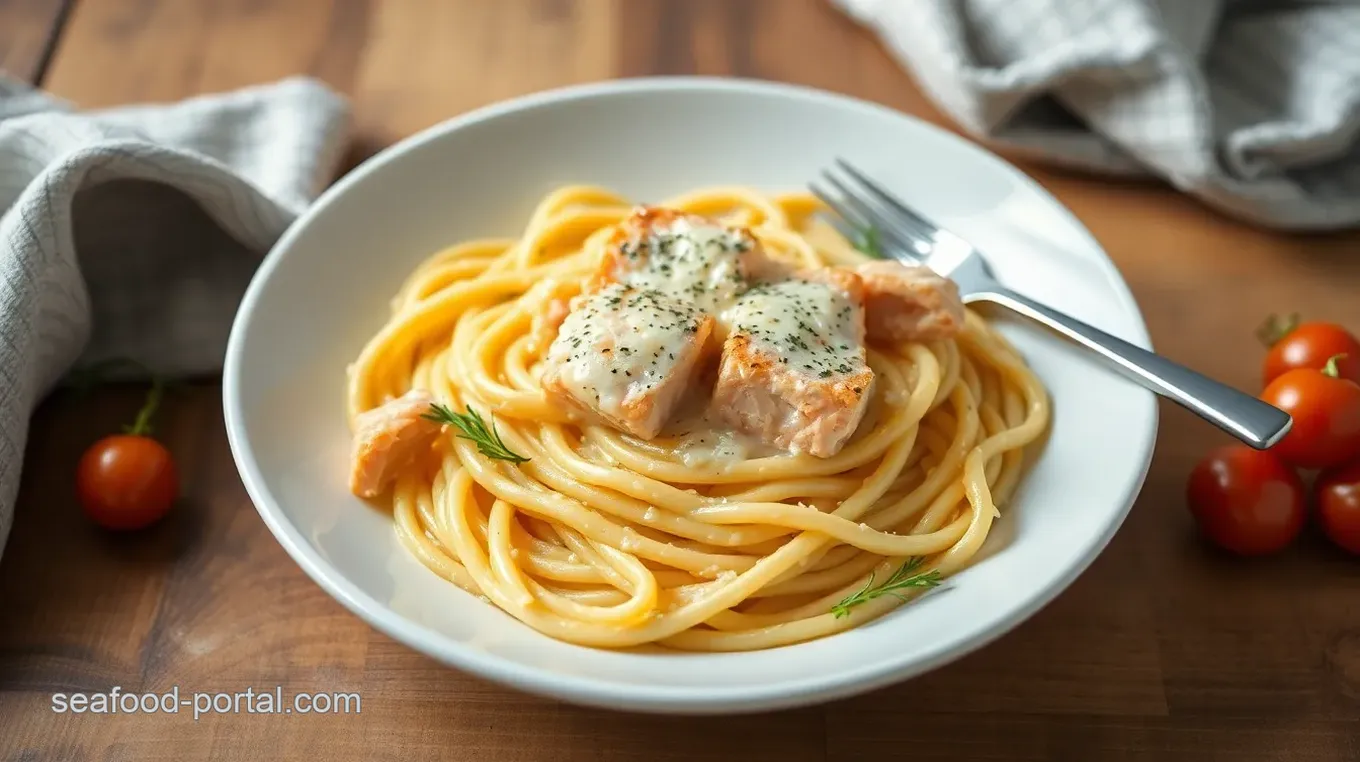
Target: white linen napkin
1251 105
133 232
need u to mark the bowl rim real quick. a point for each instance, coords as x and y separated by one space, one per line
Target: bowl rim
693 700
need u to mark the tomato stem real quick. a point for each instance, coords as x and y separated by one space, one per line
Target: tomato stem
83 379
1273 329
1330 368
142 425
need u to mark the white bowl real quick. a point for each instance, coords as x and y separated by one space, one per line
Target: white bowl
325 288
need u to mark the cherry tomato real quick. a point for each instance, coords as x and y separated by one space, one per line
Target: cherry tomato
1246 501
1326 413
1308 345
1337 492
127 481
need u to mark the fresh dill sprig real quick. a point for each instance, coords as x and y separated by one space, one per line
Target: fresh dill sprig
901 579
473 427
870 242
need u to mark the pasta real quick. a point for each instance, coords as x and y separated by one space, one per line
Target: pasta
606 540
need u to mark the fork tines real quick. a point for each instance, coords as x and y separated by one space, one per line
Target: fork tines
864 205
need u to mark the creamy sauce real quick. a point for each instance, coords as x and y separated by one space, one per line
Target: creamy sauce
701 438
811 326
718 447
691 261
622 343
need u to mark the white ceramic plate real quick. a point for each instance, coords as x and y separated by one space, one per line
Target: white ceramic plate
325 287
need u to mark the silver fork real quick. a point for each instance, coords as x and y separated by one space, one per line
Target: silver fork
864 205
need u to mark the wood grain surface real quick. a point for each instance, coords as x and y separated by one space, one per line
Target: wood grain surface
1163 650
28 34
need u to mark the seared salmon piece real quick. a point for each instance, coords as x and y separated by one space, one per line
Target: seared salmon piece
684 256
625 356
793 369
905 303
389 438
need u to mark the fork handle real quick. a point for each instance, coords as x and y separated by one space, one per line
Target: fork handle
1251 420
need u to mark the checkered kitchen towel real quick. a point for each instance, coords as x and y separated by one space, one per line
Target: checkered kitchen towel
133 232
1251 105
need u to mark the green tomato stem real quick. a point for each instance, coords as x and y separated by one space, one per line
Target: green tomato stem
1330 368
142 425
1274 329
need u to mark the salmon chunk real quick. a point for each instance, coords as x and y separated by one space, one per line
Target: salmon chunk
684 256
793 369
551 306
906 303
625 356
389 438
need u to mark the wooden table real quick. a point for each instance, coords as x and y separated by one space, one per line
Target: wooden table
1161 651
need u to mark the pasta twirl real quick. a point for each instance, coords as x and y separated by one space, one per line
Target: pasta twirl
606 540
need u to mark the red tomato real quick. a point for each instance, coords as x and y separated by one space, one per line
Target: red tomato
1310 345
1337 491
1246 501
126 481
1326 413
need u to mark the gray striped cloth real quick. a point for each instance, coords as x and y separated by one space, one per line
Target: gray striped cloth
1252 106
133 232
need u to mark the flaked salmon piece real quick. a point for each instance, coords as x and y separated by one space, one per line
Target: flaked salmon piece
793 370
625 356
684 256
905 303
389 438
551 304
